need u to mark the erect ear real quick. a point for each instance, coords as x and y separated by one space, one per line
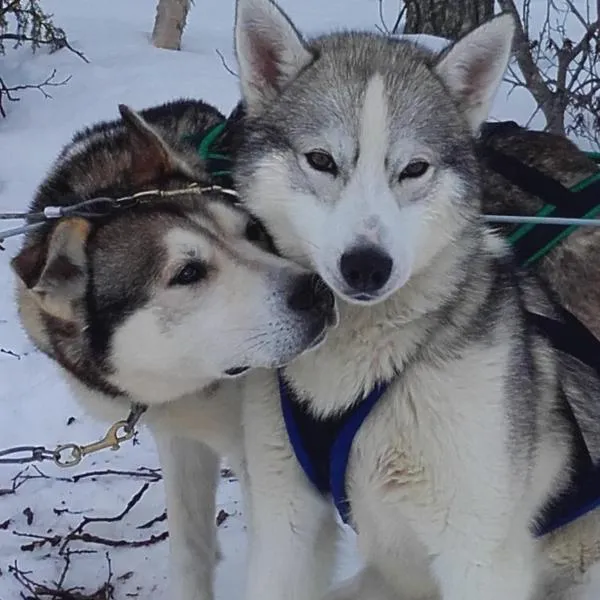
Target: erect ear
151 157
270 51
56 271
474 66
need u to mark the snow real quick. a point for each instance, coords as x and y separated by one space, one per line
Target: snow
35 404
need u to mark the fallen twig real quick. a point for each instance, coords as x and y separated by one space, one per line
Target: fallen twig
143 473
39 540
42 591
96 539
222 517
24 476
78 533
10 353
159 519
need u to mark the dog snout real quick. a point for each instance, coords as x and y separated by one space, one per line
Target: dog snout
310 294
366 269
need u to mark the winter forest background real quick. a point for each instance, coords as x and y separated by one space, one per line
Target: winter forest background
556 52
98 532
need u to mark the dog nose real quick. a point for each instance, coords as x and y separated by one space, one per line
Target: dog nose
311 294
366 269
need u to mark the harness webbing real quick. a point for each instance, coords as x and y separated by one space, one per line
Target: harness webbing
533 242
322 447
207 146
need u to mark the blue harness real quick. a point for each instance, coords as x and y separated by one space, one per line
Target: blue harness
322 446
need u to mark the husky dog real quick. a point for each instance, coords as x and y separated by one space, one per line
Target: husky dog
163 303
359 158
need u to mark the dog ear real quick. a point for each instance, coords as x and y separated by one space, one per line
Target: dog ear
151 157
270 51
473 67
55 271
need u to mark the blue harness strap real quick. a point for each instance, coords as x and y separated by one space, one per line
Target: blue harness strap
322 446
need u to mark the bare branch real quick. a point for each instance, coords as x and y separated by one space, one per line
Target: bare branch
78 534
575 11
159 519
56 591
531 73
151 475
58 43
4 350
383 28
8 92
559 69
224 62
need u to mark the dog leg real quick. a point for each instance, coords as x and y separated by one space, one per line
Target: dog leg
291 542
190 471
472 571
367 584
292 529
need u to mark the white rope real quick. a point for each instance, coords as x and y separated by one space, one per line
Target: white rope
542 220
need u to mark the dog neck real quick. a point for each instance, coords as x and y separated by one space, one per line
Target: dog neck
376 343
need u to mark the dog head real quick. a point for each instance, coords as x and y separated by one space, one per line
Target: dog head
163 298
358 149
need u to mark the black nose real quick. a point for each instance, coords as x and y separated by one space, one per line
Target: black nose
309 293
366 269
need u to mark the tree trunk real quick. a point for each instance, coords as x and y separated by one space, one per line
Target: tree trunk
446 18
169 23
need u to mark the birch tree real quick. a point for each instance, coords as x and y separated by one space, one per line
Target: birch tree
171 16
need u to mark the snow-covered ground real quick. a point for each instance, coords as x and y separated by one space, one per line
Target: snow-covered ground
35 405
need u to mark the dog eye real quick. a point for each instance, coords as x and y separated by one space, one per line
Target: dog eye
259 236
192 272
415 169
320 160
255 232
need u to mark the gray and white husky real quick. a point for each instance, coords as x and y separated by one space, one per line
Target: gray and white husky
359 158
163 304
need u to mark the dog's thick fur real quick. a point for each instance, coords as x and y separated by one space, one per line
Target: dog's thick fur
163 304
354 141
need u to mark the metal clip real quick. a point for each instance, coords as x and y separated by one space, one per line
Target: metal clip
112 440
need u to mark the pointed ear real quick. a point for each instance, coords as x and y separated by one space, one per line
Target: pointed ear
270 51
56 271
474 66
150 155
